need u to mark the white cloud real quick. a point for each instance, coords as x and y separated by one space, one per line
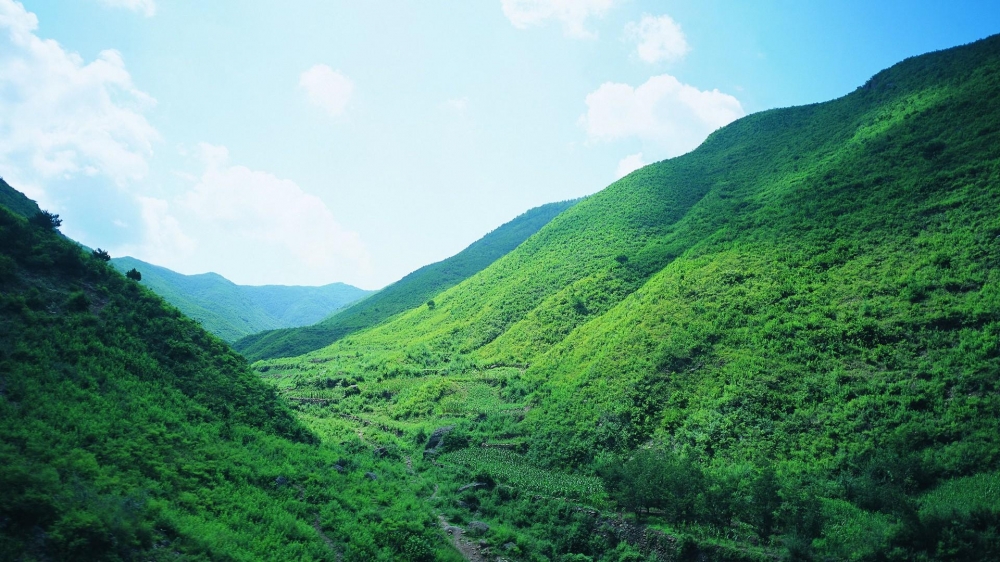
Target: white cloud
147 7
629 164
572 14
164 238
672 116
658 39
59 116
327 88
458 105
250 226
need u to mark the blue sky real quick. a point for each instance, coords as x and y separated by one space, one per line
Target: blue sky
309 142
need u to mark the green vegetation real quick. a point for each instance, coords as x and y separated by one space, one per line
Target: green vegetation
16 201
500 465
232 311
783 345
127 432
46 220
409 292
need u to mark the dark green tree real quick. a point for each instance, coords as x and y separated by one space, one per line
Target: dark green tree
45 219
101 255
655 479
134 274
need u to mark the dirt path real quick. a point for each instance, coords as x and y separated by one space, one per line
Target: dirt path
469 549
329 542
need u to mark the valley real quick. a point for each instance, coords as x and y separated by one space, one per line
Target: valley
785 342
783 345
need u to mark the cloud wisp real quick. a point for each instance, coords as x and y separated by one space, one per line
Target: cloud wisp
61 116
145 7
231 215
327 89
672 117
629 164
572 14
658 38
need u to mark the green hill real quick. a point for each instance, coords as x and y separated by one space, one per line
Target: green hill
16 201
233 311
127 432
783 345
409 292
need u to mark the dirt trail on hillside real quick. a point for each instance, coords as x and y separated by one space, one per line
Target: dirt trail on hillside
470 550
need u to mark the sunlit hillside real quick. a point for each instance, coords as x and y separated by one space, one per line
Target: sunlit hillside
784 343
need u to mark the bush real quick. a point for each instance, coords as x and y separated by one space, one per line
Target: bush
78 302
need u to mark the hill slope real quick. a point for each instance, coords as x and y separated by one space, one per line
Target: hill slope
233 311
16 201
127 432
783 344
409 292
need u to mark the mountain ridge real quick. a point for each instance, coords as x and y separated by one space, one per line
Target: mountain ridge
233 311
412 290
791 330
784 345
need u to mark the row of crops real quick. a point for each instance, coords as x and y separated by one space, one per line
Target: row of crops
509 468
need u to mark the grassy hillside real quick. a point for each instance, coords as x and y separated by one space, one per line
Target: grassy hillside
16 201
127 432
411 291
233 311
785 344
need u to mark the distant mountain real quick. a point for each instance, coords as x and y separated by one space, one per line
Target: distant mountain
224 308
233 311
409 292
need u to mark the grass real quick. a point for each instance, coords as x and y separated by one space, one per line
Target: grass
510 469
811 296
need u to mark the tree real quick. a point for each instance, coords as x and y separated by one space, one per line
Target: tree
654 478
431 304
101 255
134 274
45 219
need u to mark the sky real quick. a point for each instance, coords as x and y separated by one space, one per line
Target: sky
308 142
